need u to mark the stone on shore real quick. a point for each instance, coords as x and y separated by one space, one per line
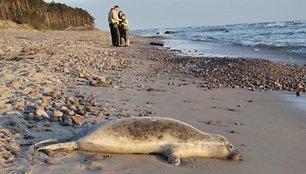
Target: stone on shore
40 112
57 113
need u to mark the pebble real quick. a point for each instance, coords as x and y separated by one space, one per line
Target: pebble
53 119
93 82
95 104
98 83
233 132
90 109
9 157
67 121
80 111
27 137
211 122
100 114
29 117
299 92
15 84
57 113
64 109
150 89
33 94
101 79
71 113
70 99
12 123
66 70
78 120
17 154
50 153
44 100
56 94
20 107
232 110
73 107
50 161
40 112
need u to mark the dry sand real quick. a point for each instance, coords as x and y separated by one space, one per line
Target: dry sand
266 128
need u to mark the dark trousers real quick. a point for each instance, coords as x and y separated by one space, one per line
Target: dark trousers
123 35
114 28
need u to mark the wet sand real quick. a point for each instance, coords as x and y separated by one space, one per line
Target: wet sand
267 129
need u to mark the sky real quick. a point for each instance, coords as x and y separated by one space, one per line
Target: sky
148 14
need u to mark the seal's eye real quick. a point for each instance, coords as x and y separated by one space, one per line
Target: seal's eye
229 147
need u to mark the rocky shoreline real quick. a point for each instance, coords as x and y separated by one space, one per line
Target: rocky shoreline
251 74
47 79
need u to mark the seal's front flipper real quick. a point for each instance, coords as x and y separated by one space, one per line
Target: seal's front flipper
60 146
174 160
170 152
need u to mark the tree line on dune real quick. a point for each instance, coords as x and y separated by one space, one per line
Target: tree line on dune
42 15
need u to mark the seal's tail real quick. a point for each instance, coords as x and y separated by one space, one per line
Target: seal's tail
59 146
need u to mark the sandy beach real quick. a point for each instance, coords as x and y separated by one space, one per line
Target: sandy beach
55 84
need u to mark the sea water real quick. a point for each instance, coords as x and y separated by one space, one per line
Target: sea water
276 41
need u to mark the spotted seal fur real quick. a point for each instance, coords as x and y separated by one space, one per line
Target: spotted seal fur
149 135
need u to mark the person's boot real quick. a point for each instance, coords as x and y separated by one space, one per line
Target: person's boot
121 42
127 42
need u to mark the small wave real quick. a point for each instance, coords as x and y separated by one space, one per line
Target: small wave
302 22
276 24
270 45
295 49
206 39
301 51
217 29
301 32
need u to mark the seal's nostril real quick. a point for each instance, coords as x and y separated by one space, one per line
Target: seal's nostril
236 156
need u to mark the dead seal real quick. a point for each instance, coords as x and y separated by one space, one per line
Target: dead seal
149 135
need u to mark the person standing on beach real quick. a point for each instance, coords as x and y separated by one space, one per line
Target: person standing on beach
113 21
123 28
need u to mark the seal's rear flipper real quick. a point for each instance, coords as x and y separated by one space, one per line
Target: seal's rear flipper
60 146
50 141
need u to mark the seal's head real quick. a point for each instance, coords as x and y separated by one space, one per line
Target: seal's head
220 147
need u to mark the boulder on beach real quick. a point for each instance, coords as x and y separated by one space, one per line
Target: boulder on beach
157 44
169 32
